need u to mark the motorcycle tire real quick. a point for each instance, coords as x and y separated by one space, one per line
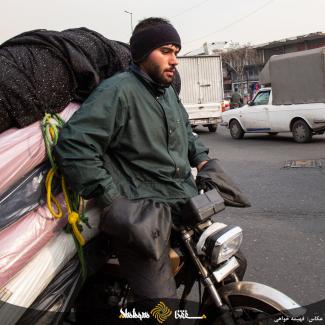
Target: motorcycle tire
244 310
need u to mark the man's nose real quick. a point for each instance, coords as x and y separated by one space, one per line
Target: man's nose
173 59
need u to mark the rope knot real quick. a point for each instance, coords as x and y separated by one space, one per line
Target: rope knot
73 217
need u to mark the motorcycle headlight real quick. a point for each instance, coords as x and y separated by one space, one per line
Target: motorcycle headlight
221 245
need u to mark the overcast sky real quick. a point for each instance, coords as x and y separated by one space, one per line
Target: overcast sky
198 21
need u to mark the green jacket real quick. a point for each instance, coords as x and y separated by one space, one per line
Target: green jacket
236 98
130 138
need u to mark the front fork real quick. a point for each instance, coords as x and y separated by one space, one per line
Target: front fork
225 314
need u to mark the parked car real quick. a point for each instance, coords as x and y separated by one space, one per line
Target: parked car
261 116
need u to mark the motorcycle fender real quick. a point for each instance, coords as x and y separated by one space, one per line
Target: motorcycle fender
261 292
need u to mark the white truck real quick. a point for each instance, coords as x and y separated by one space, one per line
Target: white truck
202 89
295 103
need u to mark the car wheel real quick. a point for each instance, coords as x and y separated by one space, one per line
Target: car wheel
301 132
212 127
236 130
273 133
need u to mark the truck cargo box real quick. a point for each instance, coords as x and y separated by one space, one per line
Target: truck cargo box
296 78
202 88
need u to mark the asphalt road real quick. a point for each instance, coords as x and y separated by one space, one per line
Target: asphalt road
284 230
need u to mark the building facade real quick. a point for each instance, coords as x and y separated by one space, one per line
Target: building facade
247 82
241 69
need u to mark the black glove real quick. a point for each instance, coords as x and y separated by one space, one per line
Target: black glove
212 176
143 225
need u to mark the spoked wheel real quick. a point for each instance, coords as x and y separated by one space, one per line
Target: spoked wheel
301 132
236 130
256 313
246 311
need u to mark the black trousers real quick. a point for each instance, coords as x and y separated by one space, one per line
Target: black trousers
147 277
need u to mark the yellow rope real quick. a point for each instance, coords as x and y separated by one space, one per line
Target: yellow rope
51 125
51 135
50 198
73 217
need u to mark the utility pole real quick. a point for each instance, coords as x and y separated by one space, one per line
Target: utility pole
130 13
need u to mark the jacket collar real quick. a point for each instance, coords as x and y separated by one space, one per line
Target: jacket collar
158 89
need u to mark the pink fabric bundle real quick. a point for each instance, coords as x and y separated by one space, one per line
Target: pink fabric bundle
23 239
23 149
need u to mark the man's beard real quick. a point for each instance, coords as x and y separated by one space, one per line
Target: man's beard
154 72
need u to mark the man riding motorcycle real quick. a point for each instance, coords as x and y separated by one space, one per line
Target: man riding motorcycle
236 99
131 147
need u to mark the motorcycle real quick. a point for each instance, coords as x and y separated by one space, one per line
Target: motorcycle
205 250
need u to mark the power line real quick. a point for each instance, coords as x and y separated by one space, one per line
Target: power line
190 8
233 23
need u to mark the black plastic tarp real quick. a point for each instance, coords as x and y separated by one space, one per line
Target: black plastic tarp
42 71
56 300
24 196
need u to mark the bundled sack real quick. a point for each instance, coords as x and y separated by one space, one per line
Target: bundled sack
24 238
50 306
24 149
25 196
42 71
56 300
27 285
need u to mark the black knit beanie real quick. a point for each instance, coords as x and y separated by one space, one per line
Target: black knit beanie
142 43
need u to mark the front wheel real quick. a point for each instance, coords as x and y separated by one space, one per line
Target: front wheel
236 130
301 132
245 310
251 303
249 310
